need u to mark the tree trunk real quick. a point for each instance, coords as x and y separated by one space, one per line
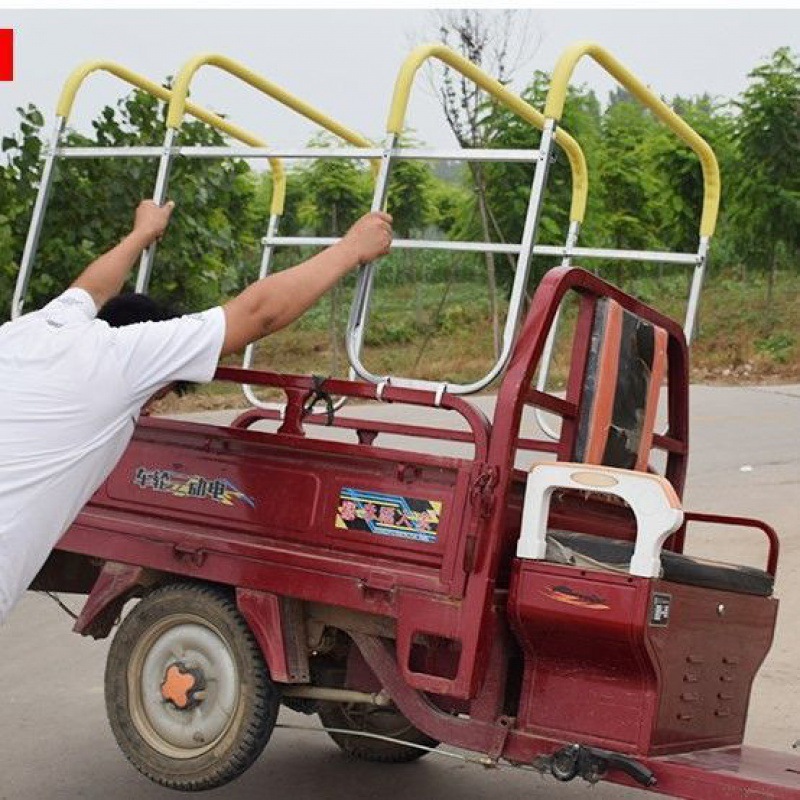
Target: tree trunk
773 274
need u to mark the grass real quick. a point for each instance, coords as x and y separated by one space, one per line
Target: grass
442 331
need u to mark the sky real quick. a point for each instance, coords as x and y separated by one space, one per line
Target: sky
344 62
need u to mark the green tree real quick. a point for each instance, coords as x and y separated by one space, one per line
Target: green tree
212 235
486 39
680 197
767 197
409 203
509 185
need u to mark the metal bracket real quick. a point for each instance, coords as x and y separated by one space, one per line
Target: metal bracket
591 764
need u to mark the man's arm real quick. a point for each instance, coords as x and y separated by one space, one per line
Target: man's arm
105 276
273 302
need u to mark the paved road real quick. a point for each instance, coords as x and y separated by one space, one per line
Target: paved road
55 743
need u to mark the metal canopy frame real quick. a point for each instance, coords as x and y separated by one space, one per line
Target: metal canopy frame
548 123
382 159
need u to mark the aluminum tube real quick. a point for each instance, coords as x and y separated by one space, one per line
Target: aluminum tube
527 250
468 154
160 197
362 153
572 239
363 295
546 360
399 244
110 152
337 695
617 255
690 323
35 228
247 358
518 289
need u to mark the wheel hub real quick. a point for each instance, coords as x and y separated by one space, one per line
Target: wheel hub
183 687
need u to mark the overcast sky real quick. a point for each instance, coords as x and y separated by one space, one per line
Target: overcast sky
344 62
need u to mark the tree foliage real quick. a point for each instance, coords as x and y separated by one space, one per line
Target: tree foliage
645 186
767 137
212 234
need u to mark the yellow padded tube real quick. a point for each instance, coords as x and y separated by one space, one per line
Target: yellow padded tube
179 104
78 75
402 91
554 107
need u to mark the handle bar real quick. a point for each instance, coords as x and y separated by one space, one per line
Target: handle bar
402 90
80 73
556 96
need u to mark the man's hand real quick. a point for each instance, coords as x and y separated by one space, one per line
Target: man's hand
151 220
370 237
273 302
104 277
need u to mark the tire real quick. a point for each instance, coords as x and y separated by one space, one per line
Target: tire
372 719
188 695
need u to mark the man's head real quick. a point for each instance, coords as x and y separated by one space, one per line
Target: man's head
130 308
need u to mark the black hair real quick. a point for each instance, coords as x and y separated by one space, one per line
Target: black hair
130 308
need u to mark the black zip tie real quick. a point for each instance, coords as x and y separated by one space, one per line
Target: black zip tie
317 394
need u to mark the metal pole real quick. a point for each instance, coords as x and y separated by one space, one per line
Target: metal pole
35 229
690 325
572 240
550 343
263 271
363 295
160 197
526 246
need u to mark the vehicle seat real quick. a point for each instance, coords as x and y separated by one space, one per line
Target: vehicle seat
580 549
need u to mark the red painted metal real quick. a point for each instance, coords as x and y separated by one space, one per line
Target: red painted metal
472 630
262 611
730 773
598 668
744 522
113 586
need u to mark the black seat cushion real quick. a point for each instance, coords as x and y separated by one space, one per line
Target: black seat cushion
678 568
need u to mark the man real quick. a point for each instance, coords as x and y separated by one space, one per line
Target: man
71 386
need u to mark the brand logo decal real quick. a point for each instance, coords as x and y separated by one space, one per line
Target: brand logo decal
568 595
389 515
194 487
660 607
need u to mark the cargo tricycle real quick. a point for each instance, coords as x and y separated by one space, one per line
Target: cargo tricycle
513 585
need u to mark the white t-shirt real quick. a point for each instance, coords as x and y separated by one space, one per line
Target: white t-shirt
71 389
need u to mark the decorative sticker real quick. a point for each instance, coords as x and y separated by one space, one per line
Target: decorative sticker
389 515
196 487
660 606
566 594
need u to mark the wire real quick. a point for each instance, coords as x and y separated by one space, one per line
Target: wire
59 602
483 761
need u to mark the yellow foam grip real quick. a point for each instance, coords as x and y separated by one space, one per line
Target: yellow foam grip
402 91
180 90
77 77
556 97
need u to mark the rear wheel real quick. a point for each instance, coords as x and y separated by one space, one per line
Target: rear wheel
188 694
374 720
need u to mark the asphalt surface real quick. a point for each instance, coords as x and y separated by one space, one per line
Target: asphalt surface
55 742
